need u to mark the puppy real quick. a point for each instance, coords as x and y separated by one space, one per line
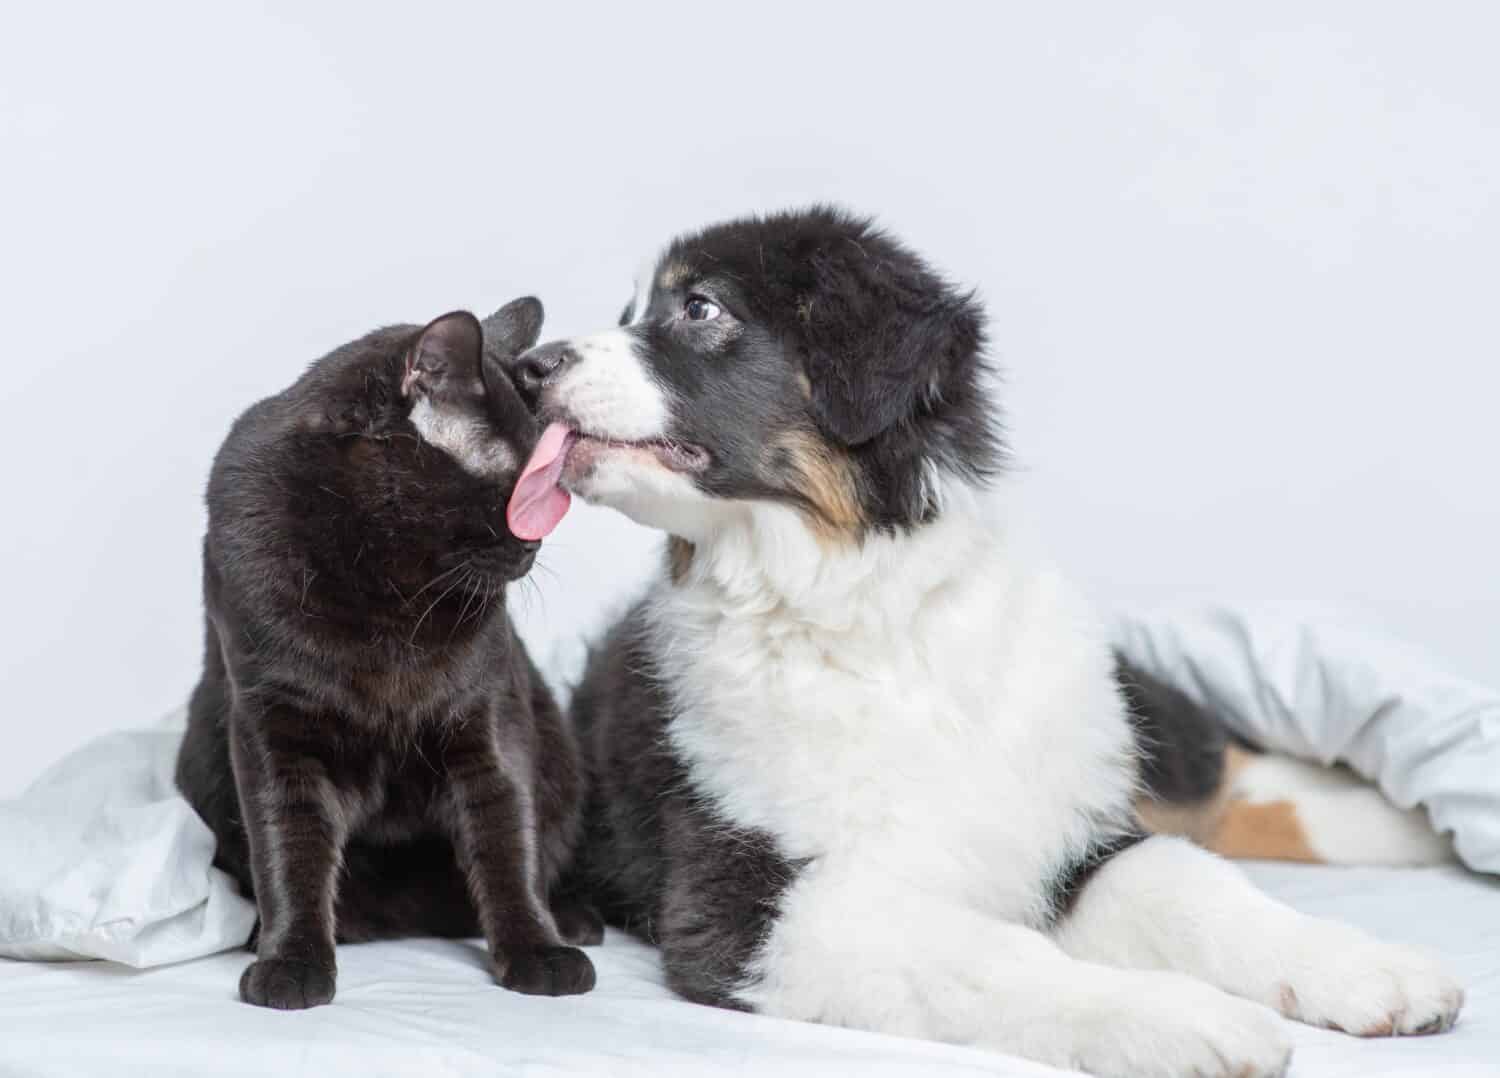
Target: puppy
859 757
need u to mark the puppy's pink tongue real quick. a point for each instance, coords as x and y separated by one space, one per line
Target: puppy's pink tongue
538 504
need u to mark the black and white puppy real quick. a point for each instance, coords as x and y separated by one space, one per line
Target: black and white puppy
858 757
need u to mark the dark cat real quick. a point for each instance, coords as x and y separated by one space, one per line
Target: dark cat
370 741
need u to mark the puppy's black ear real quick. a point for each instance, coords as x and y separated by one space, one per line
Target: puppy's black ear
513 328
883 336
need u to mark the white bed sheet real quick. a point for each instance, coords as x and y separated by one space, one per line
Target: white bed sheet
428 1008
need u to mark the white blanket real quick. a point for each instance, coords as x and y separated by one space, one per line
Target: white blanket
428 1008
101 858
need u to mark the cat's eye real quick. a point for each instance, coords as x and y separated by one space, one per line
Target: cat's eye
700 309
628 314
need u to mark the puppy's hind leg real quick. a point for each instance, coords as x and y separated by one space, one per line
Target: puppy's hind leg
1168 905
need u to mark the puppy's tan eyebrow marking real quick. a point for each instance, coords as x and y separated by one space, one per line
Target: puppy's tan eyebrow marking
674 274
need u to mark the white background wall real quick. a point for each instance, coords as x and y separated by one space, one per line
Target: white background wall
1242 268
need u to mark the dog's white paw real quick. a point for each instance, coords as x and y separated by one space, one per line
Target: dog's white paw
1164 1025
1338 977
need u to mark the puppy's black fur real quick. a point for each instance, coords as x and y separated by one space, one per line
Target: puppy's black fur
655 859
1181 745
370 743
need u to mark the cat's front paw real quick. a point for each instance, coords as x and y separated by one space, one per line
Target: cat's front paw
1342 979
286 985
545 971
578 923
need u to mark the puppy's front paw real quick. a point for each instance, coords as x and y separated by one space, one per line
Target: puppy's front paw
1164 1025
286 985
545 971
1336 976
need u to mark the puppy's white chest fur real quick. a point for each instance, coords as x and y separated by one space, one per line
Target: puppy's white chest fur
919 704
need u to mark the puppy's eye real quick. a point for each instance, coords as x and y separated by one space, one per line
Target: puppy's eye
698 309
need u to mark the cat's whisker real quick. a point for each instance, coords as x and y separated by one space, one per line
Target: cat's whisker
529 591
472 585
430 607
447 573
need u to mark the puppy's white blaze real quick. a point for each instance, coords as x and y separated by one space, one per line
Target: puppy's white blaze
645 280
609 391
464 438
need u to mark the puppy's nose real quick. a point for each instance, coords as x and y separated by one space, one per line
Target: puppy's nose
536 367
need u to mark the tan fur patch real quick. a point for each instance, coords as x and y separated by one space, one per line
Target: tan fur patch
673 275
1264 832
679 559
1231 826
826 480
1198 820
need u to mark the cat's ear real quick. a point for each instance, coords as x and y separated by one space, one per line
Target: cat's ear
513 328
451 344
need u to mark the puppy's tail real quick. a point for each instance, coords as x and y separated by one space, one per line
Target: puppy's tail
1203 782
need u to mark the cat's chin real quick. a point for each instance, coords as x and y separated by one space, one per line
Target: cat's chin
505 562
496 564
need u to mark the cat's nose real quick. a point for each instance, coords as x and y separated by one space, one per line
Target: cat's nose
535 367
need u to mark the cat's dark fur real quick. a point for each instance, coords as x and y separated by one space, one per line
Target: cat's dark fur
370 742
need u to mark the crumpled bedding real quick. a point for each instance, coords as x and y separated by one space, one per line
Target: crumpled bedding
427 1008
101 859
1310 682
